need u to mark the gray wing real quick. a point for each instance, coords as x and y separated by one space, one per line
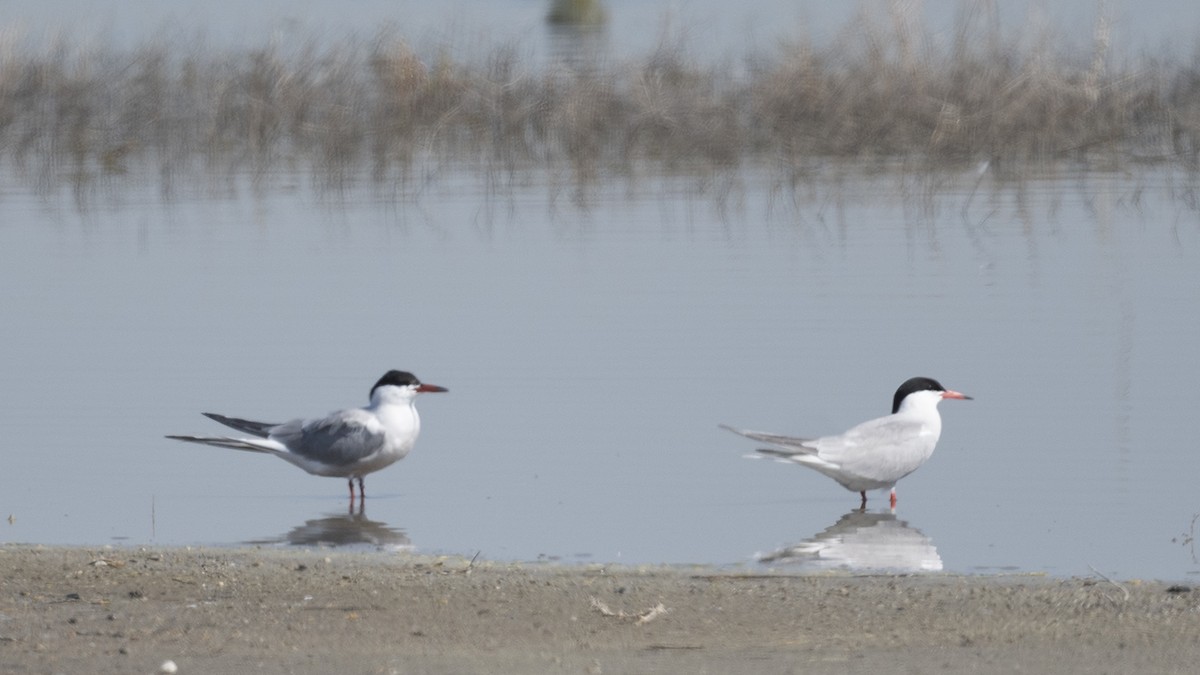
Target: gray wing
334 440
870 436
260 429
789 445
884 447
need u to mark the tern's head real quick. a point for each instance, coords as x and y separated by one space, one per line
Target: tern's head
922 390
397 386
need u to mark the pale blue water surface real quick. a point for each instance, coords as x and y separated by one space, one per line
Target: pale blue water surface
709 30
591 348
592 341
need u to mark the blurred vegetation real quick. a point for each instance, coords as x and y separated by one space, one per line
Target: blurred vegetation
881 92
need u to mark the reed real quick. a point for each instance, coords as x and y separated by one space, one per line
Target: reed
883 91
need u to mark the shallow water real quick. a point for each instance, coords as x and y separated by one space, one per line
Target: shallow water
710 29
591 346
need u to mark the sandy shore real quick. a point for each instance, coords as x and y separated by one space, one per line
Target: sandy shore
78 610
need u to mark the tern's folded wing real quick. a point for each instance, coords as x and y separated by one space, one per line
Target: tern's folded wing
336 440
887 447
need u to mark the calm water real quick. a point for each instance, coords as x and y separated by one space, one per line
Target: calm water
710 29
592 347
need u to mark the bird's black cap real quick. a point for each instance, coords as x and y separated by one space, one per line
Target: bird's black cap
914 384
398 378
401 378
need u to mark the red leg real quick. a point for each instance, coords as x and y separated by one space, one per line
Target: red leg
351 481
893 498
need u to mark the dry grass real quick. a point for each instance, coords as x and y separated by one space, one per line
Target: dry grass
883 91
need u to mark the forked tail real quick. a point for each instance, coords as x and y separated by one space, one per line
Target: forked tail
260 429
222 442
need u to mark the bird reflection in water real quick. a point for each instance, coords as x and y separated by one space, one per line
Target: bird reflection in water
862 541
345 529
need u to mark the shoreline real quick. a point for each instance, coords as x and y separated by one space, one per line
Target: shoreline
117 610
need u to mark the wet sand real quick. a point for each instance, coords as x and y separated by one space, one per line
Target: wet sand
80 610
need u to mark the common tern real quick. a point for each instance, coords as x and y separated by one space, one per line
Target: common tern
346 444
876 453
